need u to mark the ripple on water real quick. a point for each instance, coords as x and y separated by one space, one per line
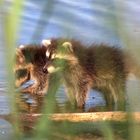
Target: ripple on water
4 105
6 130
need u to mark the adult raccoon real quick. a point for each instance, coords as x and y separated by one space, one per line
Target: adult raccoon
29 63
101 67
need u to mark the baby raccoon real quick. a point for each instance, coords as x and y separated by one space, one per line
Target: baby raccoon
101 67
29 63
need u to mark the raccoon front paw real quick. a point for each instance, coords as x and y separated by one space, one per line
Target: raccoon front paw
39 93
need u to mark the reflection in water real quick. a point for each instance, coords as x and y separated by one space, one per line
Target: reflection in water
29 104
33 103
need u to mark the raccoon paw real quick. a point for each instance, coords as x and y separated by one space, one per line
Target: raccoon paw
39 93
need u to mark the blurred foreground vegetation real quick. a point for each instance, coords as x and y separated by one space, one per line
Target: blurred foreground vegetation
44 128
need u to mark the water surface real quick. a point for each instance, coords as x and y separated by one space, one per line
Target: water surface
88 21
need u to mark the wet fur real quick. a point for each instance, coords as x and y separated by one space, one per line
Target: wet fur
101 67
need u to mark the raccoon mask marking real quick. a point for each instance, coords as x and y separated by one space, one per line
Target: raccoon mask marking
58 56
29 65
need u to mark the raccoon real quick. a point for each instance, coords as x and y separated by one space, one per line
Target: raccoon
29 63
101 67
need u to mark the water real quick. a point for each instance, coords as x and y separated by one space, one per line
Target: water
81 20
88 21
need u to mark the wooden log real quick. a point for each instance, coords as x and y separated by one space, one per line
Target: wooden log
81 117
96 116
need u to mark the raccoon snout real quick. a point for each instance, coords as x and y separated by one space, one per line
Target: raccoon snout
45 70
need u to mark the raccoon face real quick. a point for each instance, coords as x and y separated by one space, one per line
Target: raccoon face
57 48
58 53
29 65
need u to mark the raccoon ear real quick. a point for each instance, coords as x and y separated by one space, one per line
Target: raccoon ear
46 43
21 46
19 50
68 45
19 54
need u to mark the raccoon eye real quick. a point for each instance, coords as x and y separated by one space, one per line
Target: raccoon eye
21 73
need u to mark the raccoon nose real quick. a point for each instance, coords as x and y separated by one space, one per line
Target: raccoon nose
45 70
